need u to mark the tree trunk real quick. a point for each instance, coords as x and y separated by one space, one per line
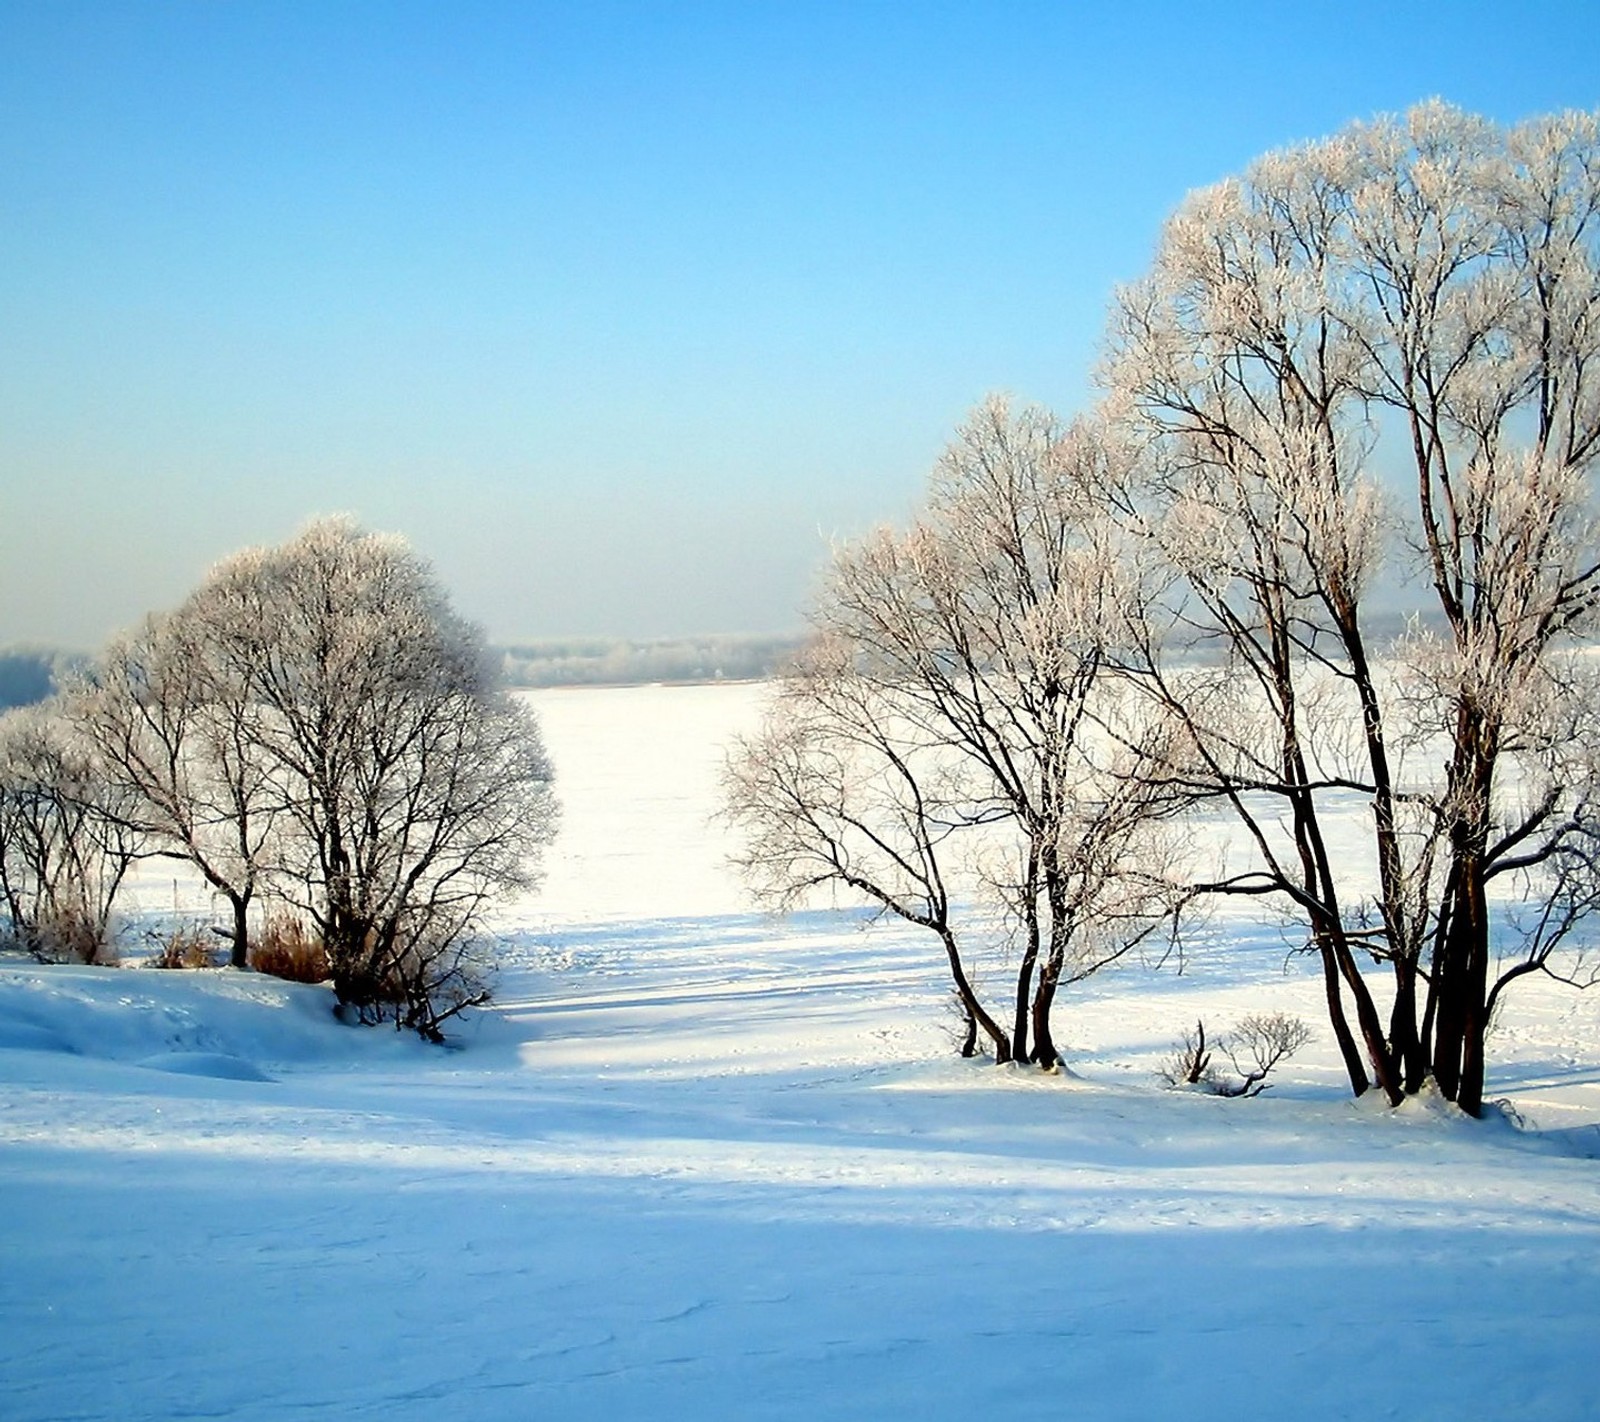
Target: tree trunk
1062 926
1030 956
1462 974
1405 1046
1044 1042
969 1041
1385 1068
969 999
1404 1040
240 956
1354 1067
1474 1017
1449 1025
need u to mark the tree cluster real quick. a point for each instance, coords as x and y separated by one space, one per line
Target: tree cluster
314 729
1366 372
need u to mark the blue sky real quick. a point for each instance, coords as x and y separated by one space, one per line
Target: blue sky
620 312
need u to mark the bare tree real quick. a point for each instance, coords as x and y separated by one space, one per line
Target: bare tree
414 788
178 733
1427 286
65 846
316 724
840 788
962 669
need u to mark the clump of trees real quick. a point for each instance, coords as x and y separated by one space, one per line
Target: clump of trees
314 729
1386 348
1368 369
65 840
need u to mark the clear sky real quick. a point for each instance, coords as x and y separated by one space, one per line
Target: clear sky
620 311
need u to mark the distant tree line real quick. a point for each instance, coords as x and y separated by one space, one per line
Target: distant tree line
618 662
30 674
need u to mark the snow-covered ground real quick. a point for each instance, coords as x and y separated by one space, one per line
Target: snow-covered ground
697 1163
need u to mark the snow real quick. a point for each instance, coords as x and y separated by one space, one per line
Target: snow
697 1162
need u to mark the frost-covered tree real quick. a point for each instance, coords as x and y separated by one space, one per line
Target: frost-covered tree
179 733
317 725
415 789
840 789
1384 349
942 745
65 842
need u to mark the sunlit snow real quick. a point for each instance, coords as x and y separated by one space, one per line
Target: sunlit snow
701 1163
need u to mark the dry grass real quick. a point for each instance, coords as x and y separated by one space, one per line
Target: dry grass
67 935
185 947
286 948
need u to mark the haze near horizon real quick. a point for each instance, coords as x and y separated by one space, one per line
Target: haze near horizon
619 312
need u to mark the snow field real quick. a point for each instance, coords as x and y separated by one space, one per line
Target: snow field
700 1163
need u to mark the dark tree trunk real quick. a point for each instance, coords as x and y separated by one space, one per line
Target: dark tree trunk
240 955
356 964
1404 1040
1385 1068
1354 1067
1030 956
1462 970
1405 1055
969 999
1474 1017
1045 1053
1326 926
1449 1026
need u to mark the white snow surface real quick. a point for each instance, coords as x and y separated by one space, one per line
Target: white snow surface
698 1163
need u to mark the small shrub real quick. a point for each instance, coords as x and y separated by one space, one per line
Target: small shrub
419 983
1190 1062
440 980
1263 1040
184 948
286 948
1255 1047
